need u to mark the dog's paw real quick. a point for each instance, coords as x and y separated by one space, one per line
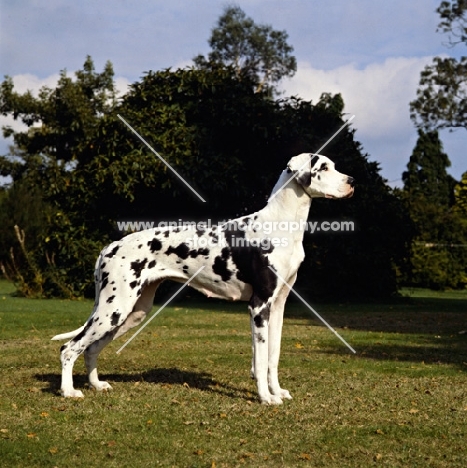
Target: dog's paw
285 394
271 400
72 393
101 386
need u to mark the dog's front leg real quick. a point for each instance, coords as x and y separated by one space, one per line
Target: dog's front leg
260 336
275 330
276 319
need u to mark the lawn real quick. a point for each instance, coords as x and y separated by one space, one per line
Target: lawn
182 395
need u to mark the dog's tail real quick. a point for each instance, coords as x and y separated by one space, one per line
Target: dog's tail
65 336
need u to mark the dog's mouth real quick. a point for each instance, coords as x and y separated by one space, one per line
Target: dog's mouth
347 195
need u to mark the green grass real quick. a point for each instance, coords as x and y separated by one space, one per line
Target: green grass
183 397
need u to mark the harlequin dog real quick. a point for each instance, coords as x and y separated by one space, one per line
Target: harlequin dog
238 265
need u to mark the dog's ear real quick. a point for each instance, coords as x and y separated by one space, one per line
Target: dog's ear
304 178
301 167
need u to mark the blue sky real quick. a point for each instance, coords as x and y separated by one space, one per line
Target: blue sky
372 51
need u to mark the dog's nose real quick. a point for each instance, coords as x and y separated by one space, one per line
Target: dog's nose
351 181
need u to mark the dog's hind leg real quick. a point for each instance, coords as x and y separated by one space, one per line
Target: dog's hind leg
90 358
69 352
140 310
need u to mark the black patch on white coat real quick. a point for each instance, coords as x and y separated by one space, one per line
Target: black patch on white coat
313 161
182 251
154 245
252 265
194 253
137 266
113 252
104 279
114 318
219 267
83 332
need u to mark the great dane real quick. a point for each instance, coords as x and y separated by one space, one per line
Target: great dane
241 259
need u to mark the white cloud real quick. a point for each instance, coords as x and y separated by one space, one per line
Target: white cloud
378 94
28 82
121 84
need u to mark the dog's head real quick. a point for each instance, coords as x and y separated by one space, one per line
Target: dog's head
318 177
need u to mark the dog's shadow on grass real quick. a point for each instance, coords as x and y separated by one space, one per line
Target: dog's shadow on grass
160 376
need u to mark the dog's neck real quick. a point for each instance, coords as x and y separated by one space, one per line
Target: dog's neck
287 202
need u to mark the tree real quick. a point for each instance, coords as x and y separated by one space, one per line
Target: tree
426 177
442 95
257 51
460 194
437 257
53 158
221 136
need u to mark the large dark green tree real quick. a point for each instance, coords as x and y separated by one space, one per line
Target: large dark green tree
257 51
441 103
224 137
438 256
426 177
52 161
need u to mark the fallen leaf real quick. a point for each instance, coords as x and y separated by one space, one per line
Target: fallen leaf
60 408
379 431
378 456
44 414
198 452
53 450
305 456
31 435
298 345
413 411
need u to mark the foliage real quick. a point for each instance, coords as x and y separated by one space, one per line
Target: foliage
442 95
454 20
438 253
460 194
256 51
426 177
54 156
226 139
